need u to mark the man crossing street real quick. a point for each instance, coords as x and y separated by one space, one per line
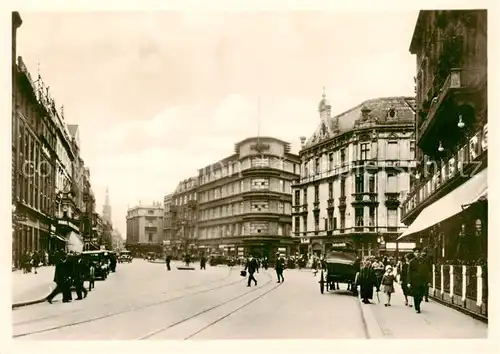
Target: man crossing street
252 266
280 267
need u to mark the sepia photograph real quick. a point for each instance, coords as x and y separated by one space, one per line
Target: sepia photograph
255 175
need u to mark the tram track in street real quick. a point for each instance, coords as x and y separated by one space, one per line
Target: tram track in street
211 308
137 296
117 313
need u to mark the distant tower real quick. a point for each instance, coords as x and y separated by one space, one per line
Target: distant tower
106 208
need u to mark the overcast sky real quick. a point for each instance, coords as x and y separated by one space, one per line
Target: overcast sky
159 95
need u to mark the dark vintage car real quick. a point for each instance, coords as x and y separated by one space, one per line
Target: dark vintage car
339 266
125 257
100 260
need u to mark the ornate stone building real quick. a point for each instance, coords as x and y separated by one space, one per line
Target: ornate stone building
244 200
355 171
447 209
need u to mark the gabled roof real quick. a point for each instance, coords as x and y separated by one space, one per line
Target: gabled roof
378 111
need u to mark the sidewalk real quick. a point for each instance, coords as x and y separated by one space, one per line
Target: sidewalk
31 288
402 322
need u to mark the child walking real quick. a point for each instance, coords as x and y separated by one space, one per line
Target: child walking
388 284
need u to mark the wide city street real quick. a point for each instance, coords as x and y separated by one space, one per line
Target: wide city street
142 300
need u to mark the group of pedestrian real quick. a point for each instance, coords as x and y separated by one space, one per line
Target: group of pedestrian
414 272
31 261
253 265
72 271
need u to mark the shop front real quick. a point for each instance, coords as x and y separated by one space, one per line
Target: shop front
454 232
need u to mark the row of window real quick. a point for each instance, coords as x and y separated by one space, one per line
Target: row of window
245 208
363 183
245 228
338 158
330 222
229 168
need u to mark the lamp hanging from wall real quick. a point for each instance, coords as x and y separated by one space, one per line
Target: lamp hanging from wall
440 148
461 123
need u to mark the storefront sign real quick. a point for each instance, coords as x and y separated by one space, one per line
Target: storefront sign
484 140
474 147
339 244
305 240
451 167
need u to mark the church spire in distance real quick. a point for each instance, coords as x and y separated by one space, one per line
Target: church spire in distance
106 208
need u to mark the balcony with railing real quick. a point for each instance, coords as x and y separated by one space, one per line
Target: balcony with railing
432 183
365 198
459 80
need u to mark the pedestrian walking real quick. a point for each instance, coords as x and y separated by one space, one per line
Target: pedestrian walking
427 271
203 262
62 278
35 261
280 267
388 284
366 282
417 279
379 269
403 277
252 266
91 270
79 272
168 258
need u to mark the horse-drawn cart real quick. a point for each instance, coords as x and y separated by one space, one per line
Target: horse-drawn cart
339 266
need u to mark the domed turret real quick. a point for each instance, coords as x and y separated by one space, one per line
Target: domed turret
324 104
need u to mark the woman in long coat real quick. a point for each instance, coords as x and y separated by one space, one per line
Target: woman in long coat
366 281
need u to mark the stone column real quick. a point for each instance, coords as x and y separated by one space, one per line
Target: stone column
442 279
452 281
433 278
464 282
479 280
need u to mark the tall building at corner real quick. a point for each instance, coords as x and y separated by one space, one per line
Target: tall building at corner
355 173
106 209
245 200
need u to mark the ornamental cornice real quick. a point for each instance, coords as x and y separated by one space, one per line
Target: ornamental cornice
353 136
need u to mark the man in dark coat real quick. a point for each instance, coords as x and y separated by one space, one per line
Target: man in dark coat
168 258
252 266
427 271
280 267
403 271
203 262
417 279
112 261
79 272
366 281
62 278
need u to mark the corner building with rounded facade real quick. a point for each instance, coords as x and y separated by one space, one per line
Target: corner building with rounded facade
355 172
245 200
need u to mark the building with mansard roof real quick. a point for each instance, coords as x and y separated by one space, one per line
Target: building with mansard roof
355 171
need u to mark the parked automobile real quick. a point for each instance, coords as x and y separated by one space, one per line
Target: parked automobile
125 257
100 260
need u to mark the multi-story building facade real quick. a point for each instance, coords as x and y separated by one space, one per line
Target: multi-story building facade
145 228
46 214
183 218
446 209
167 220
355 171
90 240
245 200
32 161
